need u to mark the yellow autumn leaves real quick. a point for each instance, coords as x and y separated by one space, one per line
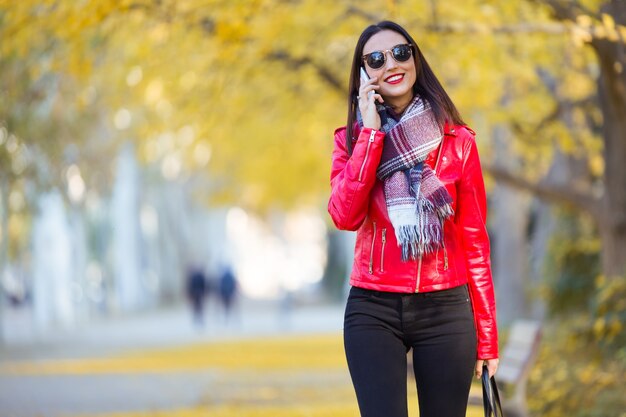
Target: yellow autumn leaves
262 83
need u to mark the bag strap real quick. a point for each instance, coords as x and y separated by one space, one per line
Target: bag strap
491 396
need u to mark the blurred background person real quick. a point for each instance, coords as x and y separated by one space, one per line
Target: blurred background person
197 291
227 291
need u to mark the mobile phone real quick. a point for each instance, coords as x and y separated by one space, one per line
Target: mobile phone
364 77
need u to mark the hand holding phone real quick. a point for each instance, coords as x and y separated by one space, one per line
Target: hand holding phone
365 78
370 115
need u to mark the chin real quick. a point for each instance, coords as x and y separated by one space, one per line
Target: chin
398 94
399 91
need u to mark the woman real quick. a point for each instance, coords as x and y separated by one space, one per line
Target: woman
407 178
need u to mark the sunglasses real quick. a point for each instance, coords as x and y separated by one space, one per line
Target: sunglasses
401 53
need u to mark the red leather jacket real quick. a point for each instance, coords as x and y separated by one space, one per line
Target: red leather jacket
357 202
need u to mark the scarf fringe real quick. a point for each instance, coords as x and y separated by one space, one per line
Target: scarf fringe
417 241
425 237
445 211
440 202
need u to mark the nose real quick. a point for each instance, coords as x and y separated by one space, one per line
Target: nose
390 62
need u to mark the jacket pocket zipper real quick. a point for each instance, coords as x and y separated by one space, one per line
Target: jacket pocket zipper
367 152
382 251
372 250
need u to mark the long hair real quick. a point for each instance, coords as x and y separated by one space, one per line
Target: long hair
426 83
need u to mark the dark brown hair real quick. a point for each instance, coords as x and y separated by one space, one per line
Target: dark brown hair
426 84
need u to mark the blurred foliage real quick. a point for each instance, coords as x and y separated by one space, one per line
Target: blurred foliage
575 284
573 375
608 312
572 264
246 89
581 369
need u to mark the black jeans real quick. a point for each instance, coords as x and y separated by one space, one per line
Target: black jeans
381 327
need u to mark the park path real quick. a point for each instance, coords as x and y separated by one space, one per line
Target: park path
75 372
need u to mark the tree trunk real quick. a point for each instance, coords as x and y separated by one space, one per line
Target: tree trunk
4 247
129 289
612 94
544 222
53 303
613 222
337 269
509 219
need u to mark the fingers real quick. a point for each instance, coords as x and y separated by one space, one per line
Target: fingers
367 105
365 101
492 367
367 86
478 369
365 83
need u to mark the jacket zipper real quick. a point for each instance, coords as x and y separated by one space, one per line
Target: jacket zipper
438 155
367 152
382 251
419 273
372 250
445 251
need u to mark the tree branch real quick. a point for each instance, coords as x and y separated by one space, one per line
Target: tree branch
296 63
567 10
562 105
547 28
352 10
553 193
554 115
550 28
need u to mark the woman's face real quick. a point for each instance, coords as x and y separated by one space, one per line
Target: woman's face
395 78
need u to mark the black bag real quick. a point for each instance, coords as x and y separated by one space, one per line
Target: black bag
491 397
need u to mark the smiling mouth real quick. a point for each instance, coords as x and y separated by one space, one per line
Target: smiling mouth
394 79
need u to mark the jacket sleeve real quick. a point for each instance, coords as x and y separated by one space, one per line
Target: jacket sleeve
472 215
353 177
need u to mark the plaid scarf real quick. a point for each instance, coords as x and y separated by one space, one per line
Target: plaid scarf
417 202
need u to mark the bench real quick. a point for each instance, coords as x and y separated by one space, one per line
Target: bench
516 361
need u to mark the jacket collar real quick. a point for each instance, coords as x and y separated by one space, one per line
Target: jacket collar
449 130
